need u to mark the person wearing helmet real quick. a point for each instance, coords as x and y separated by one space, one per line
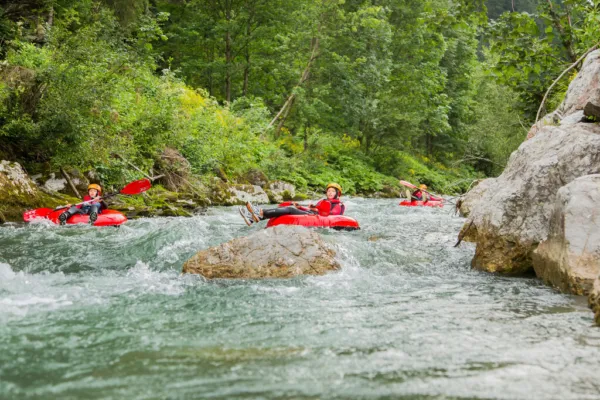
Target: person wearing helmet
331 205
419 194
93 205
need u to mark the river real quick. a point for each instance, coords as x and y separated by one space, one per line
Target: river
104 313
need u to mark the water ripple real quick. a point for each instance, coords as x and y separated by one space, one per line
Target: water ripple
91 312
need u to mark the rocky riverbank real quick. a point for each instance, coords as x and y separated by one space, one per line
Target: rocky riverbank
540 215
20 192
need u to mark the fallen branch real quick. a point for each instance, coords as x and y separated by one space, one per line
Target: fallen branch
152 178
469 158
537 117
292 97
70 182
463 234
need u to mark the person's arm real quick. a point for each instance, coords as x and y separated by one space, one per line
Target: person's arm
314 207
85 198
323 207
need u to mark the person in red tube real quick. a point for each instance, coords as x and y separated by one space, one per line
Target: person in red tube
93 205
419 194
331 205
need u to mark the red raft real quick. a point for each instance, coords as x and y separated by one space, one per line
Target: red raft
315 221
105 218
415 203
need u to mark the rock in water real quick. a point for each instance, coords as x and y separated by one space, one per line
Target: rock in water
570 258
514 217
278 252
594 300
510 215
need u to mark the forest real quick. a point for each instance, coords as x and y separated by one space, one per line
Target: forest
307 91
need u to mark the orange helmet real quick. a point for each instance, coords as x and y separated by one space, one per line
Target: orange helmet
95 186
423 186
336 187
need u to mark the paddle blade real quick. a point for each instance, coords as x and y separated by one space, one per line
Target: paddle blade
30 215
408 184
137 187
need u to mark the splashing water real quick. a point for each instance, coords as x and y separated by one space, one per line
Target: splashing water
105 313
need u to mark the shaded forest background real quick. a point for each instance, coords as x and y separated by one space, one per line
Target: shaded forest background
307 91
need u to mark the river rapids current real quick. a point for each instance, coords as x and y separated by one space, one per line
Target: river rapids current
104 313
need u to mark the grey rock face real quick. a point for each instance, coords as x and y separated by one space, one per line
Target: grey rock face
469 199
14 181
279 191
570 258
585 87
582 97
510 220
513 218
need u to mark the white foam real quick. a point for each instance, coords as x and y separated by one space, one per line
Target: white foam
154 281
6 272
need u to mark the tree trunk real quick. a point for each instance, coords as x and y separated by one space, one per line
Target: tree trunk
565 37
429 144
247 67
284 117
228 53
210 55
70 182
51 17
305 75
306 128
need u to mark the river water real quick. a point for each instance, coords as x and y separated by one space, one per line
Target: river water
103 313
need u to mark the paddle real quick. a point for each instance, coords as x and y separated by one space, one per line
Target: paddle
132 188
410 185
298 206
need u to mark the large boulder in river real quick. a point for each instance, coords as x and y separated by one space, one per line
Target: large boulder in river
594 300
278 252
570 258
511 216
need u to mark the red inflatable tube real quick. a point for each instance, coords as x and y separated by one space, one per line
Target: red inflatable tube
314 220
415 203
106 218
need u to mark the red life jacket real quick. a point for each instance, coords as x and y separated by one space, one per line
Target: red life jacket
330 207
417 194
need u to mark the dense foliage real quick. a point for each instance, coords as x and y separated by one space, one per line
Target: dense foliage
309 91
